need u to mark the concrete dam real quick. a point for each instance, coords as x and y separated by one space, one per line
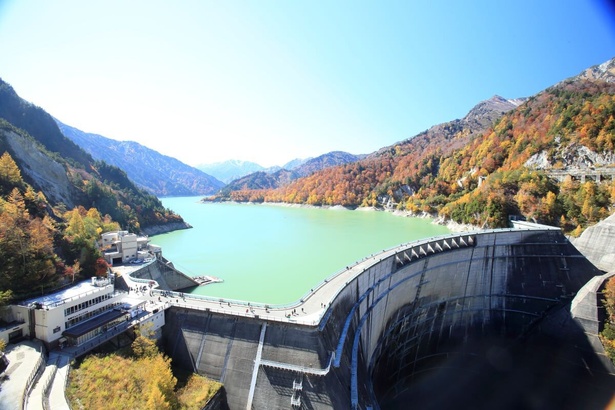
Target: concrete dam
475 320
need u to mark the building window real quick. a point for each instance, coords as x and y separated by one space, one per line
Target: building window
86 304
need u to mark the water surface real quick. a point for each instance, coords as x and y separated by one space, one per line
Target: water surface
275 254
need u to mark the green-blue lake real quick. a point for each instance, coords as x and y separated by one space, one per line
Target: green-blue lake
275 254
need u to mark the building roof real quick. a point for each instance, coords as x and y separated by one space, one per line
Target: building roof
66 295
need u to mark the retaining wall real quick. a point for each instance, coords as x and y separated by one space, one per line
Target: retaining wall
167 276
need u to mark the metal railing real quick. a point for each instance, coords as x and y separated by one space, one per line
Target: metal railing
33 375
314 371
47 383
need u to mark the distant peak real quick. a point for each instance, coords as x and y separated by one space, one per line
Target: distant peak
604 71
497 98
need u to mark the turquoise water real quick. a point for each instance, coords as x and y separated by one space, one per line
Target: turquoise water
275 254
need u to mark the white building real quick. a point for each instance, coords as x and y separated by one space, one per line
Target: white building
123 247
61 315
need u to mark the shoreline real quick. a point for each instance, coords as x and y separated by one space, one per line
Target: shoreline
437 220
165 228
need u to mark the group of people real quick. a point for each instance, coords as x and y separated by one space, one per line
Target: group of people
294 313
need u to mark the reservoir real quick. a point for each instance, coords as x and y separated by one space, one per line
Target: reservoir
275 254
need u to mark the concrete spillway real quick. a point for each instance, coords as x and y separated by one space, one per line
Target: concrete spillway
466 321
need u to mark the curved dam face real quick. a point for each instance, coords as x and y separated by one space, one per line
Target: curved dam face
466 321
456 320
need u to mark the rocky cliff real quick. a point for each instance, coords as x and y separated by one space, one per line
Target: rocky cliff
40 169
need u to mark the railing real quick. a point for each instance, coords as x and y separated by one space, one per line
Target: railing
66 380
47 383
31 378
314 371
268 317
64 301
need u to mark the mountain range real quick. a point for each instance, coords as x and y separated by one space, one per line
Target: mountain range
232 169
452 169
162 175
158 174
288 173
484 168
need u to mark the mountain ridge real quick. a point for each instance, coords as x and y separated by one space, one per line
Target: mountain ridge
157 173
474 170
270 180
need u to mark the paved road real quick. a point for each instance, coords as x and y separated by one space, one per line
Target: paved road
23 358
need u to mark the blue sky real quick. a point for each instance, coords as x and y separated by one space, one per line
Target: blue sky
269 81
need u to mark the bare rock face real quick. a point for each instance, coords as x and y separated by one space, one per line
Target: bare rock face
573 157
170 227
48 175
597 243
486 112
604 72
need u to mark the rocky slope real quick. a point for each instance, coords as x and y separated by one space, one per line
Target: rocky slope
454 134
40 169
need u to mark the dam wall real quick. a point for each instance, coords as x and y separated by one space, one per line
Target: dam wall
165 275
447 308
407 325
596 243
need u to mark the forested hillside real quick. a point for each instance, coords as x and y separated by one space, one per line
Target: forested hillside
41 246
482 176
66 174
55 201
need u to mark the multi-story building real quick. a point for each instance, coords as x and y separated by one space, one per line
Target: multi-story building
81 312
73 315
123 247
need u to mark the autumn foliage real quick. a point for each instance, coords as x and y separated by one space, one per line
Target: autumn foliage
607 336
142 379
481 178
42 248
